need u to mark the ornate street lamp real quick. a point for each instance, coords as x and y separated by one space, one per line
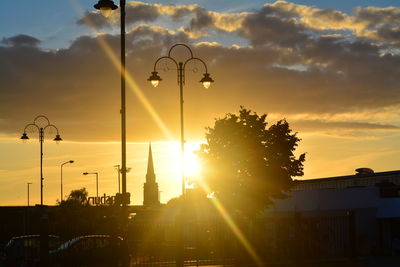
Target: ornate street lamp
206 80
155 79
41 129
62 165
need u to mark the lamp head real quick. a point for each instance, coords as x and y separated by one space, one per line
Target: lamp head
57 138
71 161
105 7
85 173
24 137
154 78
206 80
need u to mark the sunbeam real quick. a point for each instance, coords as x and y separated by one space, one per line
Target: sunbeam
231 224
128 78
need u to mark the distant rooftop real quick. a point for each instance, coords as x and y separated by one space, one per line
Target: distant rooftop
364 177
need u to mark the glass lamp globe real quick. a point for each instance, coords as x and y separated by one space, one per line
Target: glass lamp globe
206 80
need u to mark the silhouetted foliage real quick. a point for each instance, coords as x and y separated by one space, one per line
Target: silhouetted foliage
77 197
246 163
76 217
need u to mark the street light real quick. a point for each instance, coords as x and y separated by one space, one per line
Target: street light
155 79
28 192
97 181
118 167
62 165
106 7
41 129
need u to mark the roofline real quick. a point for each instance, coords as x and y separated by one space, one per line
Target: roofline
375 174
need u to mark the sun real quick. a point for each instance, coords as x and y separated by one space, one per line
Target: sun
191 162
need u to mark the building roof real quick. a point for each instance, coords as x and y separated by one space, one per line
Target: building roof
357 180
369 175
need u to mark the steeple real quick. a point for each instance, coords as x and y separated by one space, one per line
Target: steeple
150 187
150 175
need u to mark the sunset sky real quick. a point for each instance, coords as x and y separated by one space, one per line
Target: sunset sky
331 68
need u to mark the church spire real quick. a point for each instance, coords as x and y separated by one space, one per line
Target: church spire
150 188
150 166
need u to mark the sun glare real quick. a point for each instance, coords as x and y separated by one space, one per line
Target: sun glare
192 164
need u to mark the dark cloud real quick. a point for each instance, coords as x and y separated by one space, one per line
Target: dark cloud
389 33
201 19
382 24
271 25
290 68
374 16
21 40
141 12
135 12
93 20
327 126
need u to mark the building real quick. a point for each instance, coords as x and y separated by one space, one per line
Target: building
363 208
150 187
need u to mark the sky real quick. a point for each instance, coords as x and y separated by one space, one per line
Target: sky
330 68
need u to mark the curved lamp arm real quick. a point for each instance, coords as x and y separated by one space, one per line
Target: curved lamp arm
165 57
31 124
180 44
195 58
41 116
58 137
155 78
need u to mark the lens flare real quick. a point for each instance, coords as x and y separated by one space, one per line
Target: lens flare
231 224
115 60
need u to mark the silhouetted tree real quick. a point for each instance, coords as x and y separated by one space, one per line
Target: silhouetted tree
246 163
74 217
77 197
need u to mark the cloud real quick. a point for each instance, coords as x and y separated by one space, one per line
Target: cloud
21 40
135 12
271 25
346 126
377 15
298 60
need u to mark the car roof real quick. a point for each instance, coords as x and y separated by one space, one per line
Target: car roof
30 236
76 239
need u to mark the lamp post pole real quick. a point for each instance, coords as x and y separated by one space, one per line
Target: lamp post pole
206 80
97 181
119 177
105 7
62 165
28 192
41 129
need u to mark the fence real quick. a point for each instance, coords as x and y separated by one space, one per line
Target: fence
274 240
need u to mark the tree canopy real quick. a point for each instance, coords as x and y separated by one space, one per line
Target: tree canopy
77 197
246 164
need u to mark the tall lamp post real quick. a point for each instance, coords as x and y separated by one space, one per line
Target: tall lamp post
41 129
206 81
28 191
106 7
97 181
62 165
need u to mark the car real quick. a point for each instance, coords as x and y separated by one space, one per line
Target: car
91 250
25 250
